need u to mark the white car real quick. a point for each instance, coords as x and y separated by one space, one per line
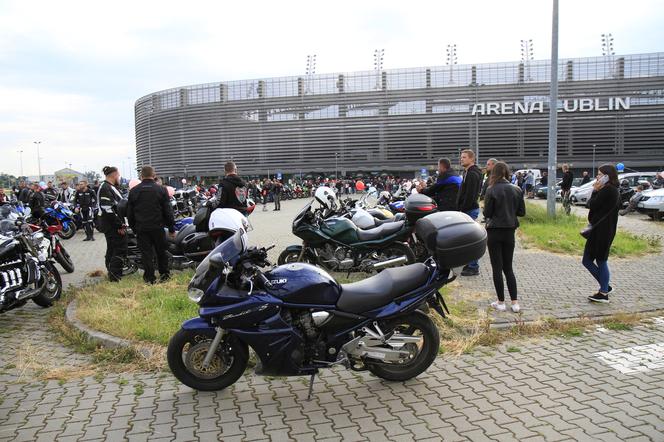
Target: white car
581 195
652 204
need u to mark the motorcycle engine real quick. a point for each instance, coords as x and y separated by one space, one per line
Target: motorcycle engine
336 259
306 323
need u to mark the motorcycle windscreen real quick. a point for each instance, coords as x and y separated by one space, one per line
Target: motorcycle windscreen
212 266
300 215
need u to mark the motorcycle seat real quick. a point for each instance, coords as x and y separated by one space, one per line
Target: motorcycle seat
381 289
379 232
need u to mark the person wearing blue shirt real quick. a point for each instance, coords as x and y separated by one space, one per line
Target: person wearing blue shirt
446 188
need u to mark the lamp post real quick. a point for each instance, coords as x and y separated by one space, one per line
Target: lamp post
594 146
38 159
553 115
20 159
336 157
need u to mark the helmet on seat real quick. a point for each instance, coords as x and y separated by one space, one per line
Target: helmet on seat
326 197
224 223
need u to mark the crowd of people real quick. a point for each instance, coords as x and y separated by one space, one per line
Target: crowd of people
149 212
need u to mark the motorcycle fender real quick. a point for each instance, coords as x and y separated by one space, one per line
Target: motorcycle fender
295 248
196 324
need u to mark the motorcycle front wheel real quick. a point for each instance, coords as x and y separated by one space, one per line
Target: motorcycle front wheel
62 257
69 231
422 354
187 350
53 287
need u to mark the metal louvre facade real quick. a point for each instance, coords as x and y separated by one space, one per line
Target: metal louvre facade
403 120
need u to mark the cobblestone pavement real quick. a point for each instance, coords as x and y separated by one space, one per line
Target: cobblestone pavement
604 385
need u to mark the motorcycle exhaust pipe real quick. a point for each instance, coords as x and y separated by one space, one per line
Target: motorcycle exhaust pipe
390 262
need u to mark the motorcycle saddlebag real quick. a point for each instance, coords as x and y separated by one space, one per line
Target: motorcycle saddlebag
452 238
196 246
418 206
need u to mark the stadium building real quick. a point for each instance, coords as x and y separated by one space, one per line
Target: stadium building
400 121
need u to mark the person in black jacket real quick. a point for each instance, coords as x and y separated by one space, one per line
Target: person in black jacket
85 199
37 201
566 184
149 211
23 194
468 195
503 204
485 184
112 224
232 190
604 204
446 188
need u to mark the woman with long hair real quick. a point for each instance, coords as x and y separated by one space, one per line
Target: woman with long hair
604 204
503 204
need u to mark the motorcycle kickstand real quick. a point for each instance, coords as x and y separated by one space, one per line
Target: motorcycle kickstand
311 386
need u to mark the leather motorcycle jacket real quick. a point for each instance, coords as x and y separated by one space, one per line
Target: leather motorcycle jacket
503 204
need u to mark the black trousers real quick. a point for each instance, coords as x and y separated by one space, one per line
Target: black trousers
152 243
500 243
88 218
277 201
116 252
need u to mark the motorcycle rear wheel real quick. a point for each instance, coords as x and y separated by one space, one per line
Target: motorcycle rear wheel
63 258
410 324
398 249
69 231
53 288
226 367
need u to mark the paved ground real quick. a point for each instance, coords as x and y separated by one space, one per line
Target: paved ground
605 385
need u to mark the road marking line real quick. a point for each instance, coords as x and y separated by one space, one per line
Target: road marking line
638 359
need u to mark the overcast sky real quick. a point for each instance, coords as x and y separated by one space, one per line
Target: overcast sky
70 71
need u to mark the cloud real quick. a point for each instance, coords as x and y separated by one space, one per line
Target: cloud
70 71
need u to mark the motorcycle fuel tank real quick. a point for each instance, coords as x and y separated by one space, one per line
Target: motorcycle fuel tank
340 229
300 283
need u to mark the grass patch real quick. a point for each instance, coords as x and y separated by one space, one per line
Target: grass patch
513 349
617 325
137 311
561 235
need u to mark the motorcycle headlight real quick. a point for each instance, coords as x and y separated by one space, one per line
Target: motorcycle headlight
195 294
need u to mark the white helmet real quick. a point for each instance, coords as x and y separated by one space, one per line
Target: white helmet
224 223
363 219
326 197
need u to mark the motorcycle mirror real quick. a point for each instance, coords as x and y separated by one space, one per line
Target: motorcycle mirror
217 260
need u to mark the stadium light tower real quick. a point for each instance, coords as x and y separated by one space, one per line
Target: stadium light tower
527 52
451 59
553 116
379 55
607 50
311 71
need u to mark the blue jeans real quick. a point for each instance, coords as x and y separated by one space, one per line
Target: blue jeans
600 272
473 214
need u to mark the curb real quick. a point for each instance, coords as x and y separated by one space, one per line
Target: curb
101 338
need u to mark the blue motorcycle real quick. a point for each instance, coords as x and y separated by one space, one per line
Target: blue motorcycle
298 319
59 214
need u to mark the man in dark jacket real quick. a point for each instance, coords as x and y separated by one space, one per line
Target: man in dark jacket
446 188
85 199
37 201
149 211
23 194
232 190
112 224
468 195
566 184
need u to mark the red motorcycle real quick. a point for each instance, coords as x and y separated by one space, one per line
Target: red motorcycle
51 244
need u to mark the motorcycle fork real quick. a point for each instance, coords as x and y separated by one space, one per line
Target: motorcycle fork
213 347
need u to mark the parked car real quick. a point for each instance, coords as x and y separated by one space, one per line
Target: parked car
652 204
581 195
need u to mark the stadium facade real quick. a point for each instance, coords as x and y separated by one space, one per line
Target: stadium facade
610 109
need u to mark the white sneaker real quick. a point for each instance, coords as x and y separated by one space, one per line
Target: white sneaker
500 306
516 308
